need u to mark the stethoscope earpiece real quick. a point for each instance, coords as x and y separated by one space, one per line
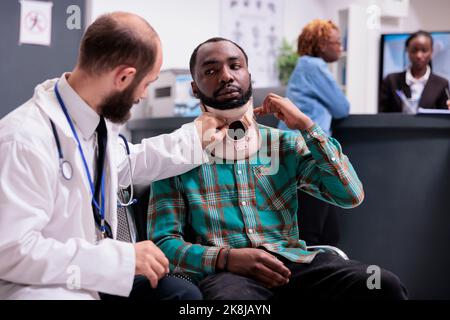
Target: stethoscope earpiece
131 201
124 205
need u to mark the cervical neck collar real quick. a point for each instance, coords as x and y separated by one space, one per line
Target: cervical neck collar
242 140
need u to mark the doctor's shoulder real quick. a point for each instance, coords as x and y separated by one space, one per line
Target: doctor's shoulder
27 126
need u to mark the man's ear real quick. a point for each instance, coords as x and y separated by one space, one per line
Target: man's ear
194 89
123 77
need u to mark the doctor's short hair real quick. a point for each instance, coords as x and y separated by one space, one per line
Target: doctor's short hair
193 60
309 40
110 42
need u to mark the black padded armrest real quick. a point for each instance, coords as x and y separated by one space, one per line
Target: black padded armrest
141 193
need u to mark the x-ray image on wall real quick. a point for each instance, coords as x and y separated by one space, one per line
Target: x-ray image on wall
256 25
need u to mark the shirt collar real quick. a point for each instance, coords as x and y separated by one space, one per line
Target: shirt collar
82 115
410 80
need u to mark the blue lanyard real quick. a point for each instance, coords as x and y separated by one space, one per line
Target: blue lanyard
100 208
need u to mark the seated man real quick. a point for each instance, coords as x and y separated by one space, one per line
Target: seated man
231 225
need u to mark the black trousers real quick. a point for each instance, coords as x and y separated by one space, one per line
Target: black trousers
169 288
327 277
317 221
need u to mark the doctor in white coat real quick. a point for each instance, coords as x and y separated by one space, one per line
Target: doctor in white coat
50 245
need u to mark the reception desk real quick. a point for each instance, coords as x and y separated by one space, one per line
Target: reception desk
404 222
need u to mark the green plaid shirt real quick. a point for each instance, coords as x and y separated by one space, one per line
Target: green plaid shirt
251 203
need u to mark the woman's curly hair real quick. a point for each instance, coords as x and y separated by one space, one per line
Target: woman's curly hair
312 35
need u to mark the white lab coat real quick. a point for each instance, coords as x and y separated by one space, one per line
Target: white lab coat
48 245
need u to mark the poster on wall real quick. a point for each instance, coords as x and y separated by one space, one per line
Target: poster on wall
35 22
256 25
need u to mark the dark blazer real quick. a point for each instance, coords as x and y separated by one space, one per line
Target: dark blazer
433 96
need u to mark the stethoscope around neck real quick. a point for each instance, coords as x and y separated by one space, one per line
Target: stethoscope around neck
66 169
131 199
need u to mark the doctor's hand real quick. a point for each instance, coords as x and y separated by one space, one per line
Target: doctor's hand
150 262
211 128
448 104
259 265
284 110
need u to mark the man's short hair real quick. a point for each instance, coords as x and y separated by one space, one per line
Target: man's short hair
108 43
193 60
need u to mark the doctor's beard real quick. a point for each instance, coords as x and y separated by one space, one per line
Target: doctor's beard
227 105
116 107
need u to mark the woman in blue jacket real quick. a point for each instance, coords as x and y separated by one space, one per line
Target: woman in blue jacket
313 89
311 86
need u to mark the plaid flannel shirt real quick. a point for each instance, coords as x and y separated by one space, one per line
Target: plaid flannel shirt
251 203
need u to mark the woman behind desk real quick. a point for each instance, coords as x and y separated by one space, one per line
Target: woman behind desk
417 86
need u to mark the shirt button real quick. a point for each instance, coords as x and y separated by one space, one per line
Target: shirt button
244 203
333 159
315 134
239 172
251 231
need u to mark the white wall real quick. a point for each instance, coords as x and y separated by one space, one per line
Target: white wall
182 25
430 15
300 12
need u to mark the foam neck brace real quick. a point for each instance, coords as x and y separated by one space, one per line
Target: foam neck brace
232 114
242 140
